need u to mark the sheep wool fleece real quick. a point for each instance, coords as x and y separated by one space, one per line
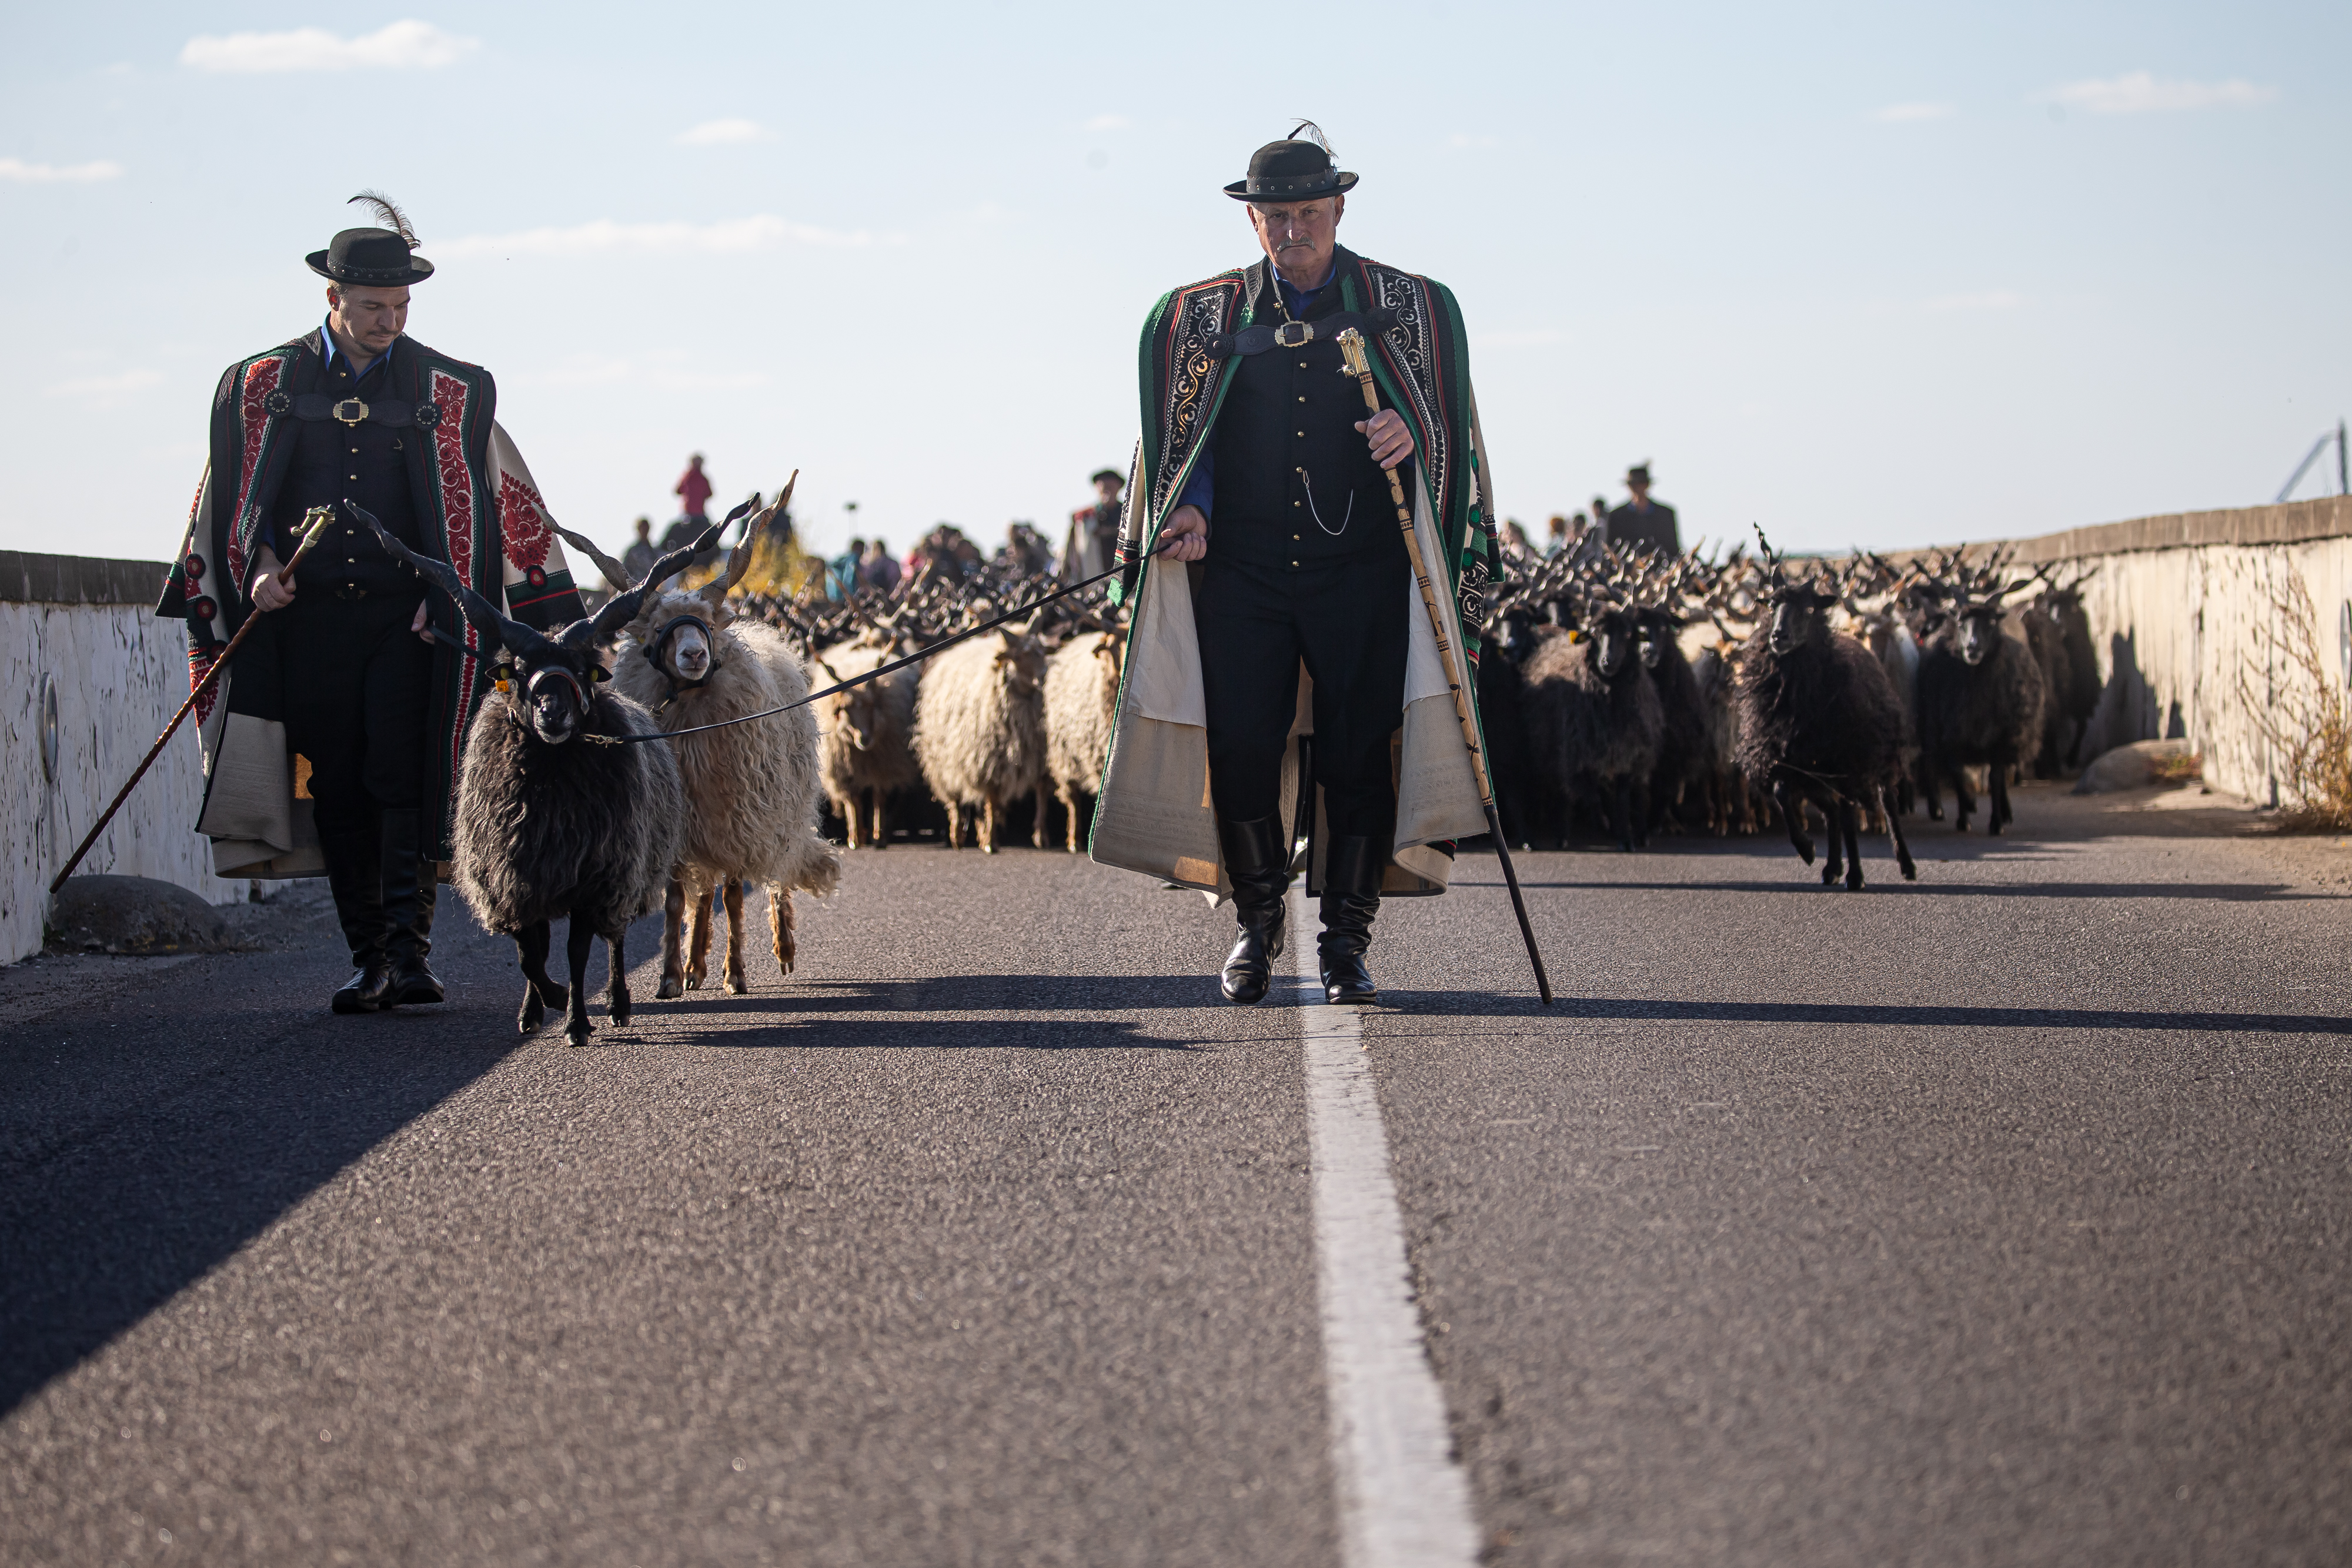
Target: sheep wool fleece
1154 813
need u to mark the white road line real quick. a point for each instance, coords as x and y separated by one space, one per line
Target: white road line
1403 1499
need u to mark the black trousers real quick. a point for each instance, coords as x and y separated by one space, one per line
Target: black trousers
1347 621
358 688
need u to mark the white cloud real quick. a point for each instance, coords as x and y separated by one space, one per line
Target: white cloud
1108 122
731 237
2140 93
1906 113
724 133
1990 300
409 44
44 173
107 389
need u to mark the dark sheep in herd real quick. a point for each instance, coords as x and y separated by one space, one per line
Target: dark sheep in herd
1853 716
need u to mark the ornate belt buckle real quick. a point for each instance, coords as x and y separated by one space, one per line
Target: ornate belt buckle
1283 338
351 411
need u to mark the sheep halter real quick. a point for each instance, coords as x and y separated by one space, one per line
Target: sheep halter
1360 365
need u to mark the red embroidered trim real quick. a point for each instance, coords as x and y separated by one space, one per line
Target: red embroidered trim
450 394
457 479
261 379
200 662
523 521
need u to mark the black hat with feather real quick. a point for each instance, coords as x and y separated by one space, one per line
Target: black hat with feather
1299 168
373 258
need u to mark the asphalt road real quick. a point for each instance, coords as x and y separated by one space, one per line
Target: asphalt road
1998 1219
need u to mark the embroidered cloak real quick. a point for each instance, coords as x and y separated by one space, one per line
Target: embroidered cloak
477 509
1154 814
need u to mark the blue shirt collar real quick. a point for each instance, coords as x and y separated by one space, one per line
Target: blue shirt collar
1297 299
327 351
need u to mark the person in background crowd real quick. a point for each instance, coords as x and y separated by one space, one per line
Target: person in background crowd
694 488
1094 530
846 570
881 568
1515 540
1642 523
638 559
1556 534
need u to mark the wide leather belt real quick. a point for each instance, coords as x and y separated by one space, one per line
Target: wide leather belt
353 411
1267 335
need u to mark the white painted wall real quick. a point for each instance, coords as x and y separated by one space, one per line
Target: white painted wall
2178 628
120 674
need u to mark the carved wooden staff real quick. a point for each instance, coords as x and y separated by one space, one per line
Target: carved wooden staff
315 523
1360 365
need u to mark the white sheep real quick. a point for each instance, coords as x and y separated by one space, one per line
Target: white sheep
867 746
1081 697
979 730
753 790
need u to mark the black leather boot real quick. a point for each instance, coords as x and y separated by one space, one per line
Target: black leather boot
352 877
1351 896
408 896
1258 862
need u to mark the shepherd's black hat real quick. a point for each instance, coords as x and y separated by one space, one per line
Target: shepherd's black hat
1113 474
373 258
1293 170
1638 475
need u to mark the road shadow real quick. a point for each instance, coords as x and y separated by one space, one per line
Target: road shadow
1855 1015
840 1014
2218 892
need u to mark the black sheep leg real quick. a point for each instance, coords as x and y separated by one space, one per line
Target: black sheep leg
579 939
1638 815
539 993
1833 830
1792 812
616 984
1621 813
1902 848
1998 817
1850 824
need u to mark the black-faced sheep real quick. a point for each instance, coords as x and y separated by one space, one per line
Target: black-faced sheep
1818 722
867 749
556 816
1685 740
752 790
1081 697
1980 697
1511 638
2078 699
1594 724
979 730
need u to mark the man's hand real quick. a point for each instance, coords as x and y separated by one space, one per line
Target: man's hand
416 624
1185 535
268 591
1391 441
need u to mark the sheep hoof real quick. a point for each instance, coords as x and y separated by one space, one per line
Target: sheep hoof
1829 876
1853 880
618 1009
1910 872
577 1031
735 987
1805 850
987 848
532 1014
694 982
670 989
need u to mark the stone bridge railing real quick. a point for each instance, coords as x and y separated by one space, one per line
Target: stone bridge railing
89 677
2178 605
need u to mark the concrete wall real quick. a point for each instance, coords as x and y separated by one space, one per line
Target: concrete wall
2177 607
85 631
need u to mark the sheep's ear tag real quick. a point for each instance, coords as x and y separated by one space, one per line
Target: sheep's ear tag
598 673
502 677
1577 636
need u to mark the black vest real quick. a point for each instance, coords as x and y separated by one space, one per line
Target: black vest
1296 483
364 462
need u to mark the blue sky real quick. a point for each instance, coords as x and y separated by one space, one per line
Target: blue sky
1883 275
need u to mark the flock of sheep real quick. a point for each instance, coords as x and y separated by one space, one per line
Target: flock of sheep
1642 694
666 752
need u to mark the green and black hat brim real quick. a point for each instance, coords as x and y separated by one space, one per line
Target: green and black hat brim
1293 188
417 270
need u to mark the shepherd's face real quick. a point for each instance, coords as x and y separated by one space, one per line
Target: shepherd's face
371 317
1300 236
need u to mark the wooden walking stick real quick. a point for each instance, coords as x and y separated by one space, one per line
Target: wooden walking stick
315 523
1359 364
